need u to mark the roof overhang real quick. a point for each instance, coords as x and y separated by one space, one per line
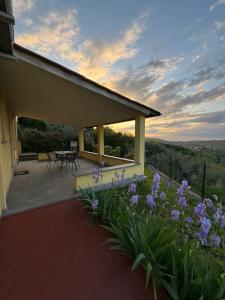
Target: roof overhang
39 88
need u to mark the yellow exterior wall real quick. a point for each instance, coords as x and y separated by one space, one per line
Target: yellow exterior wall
42 156
89 155
115 161
6 151
86 180
107 159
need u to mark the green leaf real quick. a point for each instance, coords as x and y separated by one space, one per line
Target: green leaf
148 273
170 290
118 247
111 241
139 259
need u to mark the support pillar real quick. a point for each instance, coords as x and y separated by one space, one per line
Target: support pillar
81 141
100 132
139 148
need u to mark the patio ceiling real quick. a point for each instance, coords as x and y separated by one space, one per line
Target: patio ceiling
39 88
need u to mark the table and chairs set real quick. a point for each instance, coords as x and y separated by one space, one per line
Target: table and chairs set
63 159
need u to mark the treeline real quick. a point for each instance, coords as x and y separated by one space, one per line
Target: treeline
38 136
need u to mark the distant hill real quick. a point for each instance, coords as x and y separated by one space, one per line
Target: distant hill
195 145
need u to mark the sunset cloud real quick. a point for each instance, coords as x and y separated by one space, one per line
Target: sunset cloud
56 34
99 55
22 6
137 82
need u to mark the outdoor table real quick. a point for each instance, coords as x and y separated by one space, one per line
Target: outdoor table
62 154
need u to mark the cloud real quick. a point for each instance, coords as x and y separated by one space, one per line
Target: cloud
170 97
137 82
22 6
214 5
219 25
54 35
206 74
99 55
57 34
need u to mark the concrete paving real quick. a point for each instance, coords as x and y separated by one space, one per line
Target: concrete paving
42 186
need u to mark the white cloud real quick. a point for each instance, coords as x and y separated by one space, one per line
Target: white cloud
219 25
22 6
214 5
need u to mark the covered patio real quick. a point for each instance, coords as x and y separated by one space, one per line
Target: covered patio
45 90
42 186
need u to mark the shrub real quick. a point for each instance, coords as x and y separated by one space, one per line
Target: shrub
167 233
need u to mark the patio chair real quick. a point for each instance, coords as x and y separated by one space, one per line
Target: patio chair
71 160
61 160
52 159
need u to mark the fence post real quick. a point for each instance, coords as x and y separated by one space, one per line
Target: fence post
203 181
170 168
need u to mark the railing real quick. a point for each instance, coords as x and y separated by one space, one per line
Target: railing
205 179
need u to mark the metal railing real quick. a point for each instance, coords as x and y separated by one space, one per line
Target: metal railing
206 180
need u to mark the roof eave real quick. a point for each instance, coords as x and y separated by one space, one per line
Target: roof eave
143 109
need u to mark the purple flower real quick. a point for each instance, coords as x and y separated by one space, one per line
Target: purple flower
215 240
218 215
183 202
200 209
205 227
150 202
134 199
203 240
175 215
94 204
155 185
185 184
162 196
222 221
132 187
96 175
208 202
180 191
188 220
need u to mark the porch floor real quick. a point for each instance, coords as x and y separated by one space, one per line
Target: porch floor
54 253
42 186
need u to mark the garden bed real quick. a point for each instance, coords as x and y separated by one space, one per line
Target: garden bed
177 239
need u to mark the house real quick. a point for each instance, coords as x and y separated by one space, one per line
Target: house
34 86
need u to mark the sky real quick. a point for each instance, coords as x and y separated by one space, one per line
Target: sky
169 55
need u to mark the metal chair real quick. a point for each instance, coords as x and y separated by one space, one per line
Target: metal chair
52 159
61 160
70 159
